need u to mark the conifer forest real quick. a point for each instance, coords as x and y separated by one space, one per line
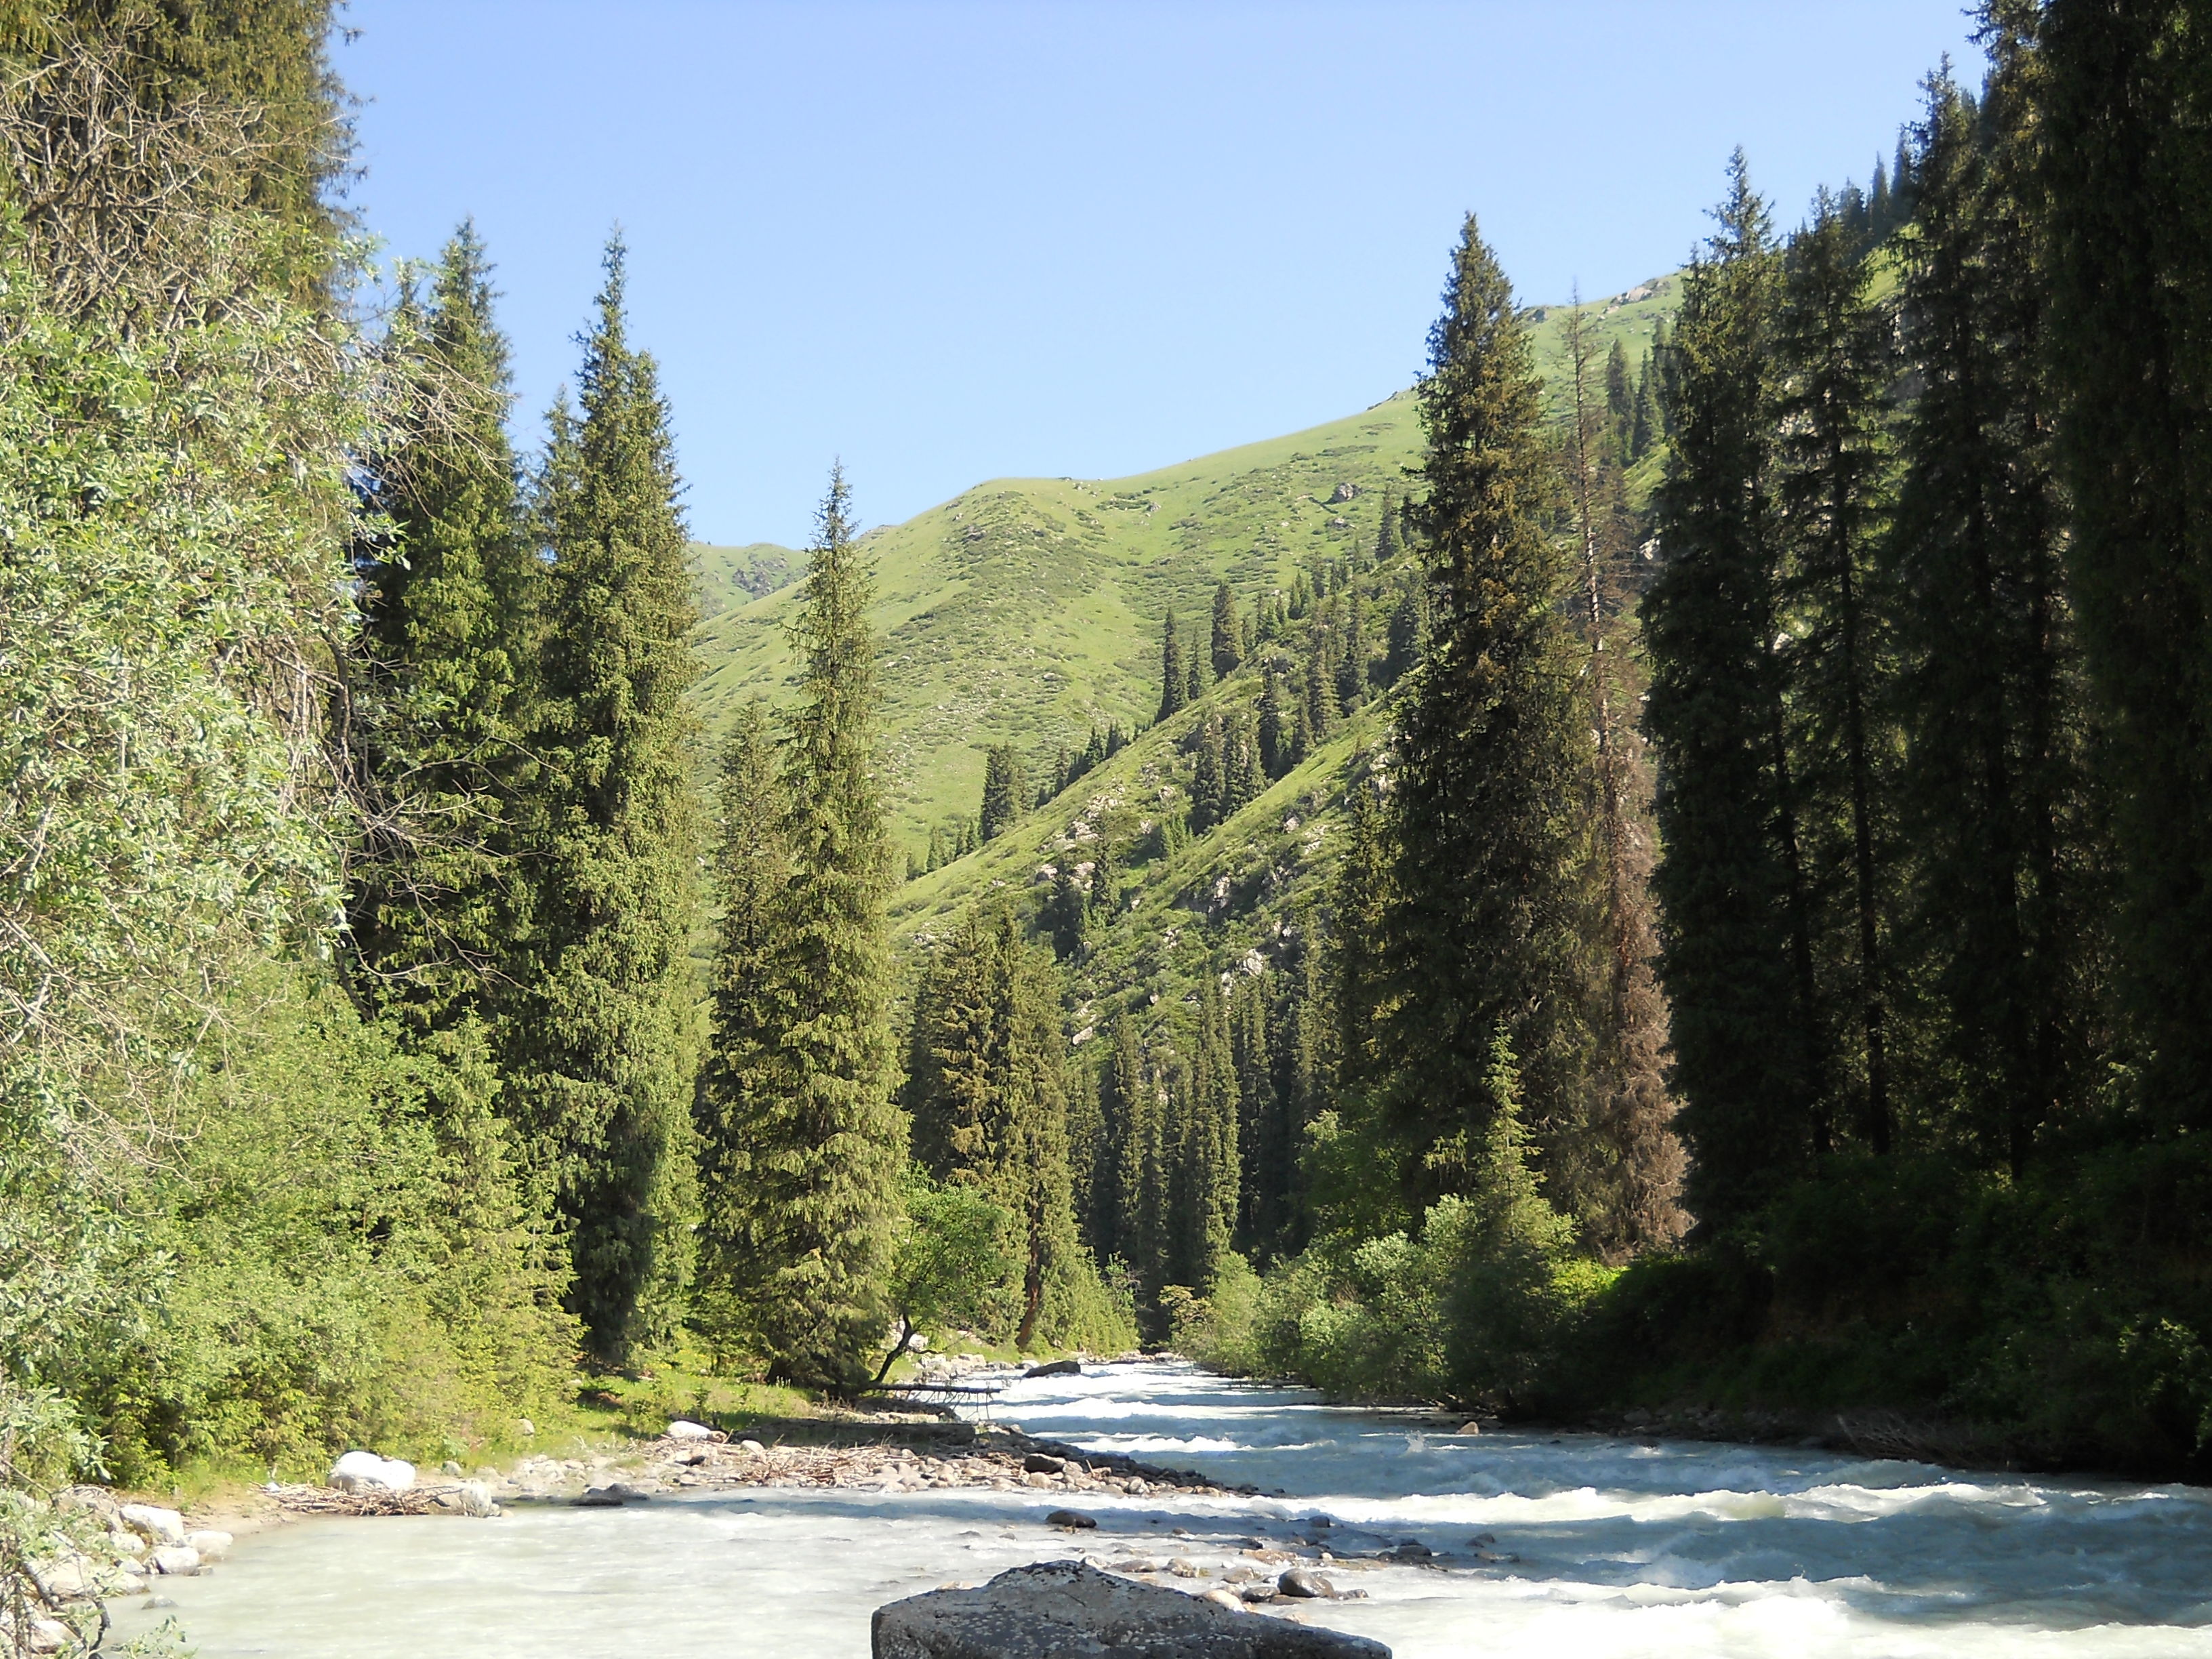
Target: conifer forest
1692 885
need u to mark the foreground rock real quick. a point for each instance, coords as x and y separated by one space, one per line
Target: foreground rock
1066 1610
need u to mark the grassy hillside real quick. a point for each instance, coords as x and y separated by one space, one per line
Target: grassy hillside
727 577
1023 610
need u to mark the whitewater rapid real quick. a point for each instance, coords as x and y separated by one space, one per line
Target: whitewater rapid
1599 1546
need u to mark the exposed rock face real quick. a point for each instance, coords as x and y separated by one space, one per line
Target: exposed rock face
1067 1610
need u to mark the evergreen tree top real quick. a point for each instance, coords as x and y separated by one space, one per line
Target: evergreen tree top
831 629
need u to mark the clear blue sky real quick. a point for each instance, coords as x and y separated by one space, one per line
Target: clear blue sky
954 241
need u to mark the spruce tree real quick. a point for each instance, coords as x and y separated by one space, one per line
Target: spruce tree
985 1092
1228 633
1264 1155
1274 727
1351 655
1241 775
597 1052
1002 800
1634 1164
1105 885
1830 344
438 919
1478 929
1643 420
1202 1178
1117 1234
2130 284
1175 684
1993 794
826 1149
1619 404
1065 918
1209 781
1737 958
744 1066
1406 623
1385 533
1321 709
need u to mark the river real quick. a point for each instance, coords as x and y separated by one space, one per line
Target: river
1601 1546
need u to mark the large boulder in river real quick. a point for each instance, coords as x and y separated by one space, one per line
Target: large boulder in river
365 1471
1056 1368
1067 1610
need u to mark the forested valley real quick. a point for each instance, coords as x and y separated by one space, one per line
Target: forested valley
1697 894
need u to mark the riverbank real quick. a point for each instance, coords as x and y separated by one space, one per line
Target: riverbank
1542 1541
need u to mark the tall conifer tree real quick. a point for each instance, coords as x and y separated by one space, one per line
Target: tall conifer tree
1736 946
984 1087
744 1070
1228 641
2131 217
826 1149
1175 681
1477 931
439 916
1634 1162
597 1049
1831 370
1993 794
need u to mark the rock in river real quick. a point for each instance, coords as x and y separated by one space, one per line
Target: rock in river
364 1471
149 1521
1056 1368
1064 1609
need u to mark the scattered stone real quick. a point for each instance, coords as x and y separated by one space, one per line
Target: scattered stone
1056 1609
1043 1463
1306 1585
752 1446
156 1603
212 1546
1183 1567
525 1428
1072 1520
1224 1597
48 1635
176 1560
160 1525
684 1429
1056 1368
597 1498
1411 1549
449 1467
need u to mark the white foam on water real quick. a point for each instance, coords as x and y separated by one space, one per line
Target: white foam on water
1618 1547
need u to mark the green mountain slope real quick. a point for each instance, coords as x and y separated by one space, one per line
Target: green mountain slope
1026 611
727 577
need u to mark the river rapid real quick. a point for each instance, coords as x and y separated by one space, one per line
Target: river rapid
1596 1546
